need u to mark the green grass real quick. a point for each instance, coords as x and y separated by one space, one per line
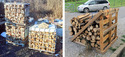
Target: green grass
123 36
112 49
113 3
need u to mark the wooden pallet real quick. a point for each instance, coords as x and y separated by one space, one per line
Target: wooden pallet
107 29
108 35
16 44
42 40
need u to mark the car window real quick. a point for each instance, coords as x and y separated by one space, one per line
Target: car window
92 3
86 3
101 2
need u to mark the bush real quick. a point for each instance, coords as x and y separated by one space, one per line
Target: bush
43 8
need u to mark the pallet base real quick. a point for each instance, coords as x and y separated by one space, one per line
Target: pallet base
45 52
16 44
104 51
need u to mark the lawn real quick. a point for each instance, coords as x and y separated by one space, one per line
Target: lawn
113 3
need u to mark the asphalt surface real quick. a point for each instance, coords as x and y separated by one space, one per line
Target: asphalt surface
76 50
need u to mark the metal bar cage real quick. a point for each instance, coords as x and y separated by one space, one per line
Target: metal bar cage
42 39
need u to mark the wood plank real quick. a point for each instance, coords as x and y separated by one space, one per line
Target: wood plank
89 23
116 20
101 33
110 28
110 24
107 36
82 16
112 38
109 45
105 44
107 20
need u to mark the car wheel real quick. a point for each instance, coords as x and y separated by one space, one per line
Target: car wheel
104 8
86 10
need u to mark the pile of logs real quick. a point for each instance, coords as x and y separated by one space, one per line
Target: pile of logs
91 34
42 39
89 30
16 15
16 32
17 12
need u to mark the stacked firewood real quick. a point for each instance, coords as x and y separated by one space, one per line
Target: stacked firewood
17 12
90 35
19 32
16 15
42 39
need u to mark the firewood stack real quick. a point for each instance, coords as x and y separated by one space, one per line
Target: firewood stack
16 15
17 12
42 39
91 35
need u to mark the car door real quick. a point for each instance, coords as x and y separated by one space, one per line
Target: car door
93 6
101 4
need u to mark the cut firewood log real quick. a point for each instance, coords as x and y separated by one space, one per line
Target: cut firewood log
82 16
71 33
96 45
97 38
93 41
93 37
92 44
71 28
98 42
73 23
75 30
90 33
95 30
91 27
83 41
77 39
95 33
83 36
86 32
88 29
97 26
88 38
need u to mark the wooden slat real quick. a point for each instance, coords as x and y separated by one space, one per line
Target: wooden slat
107 20
101 33
112 38
116 20
109 45
89 23
110 28
110 24
105 44
107 36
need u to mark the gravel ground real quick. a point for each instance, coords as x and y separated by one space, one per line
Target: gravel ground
76 50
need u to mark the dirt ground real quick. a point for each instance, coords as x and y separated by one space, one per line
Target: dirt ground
9 50
76 50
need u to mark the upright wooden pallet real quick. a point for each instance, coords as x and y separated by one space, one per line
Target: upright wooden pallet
108 35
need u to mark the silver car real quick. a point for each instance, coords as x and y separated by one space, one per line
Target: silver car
94 5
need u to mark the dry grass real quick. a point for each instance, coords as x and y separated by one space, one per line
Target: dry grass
43 8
